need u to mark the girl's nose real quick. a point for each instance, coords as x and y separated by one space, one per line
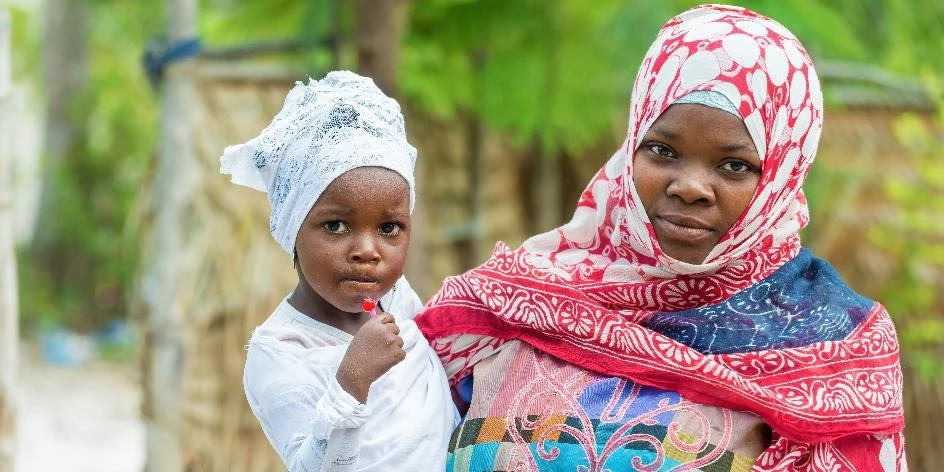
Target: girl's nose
364 250
692 186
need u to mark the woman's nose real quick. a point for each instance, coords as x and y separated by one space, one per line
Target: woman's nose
364 249
692 186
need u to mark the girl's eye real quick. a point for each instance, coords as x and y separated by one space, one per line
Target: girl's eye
389 229
335 227
737 167
661 150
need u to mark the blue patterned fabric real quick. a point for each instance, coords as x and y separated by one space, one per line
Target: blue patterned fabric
802 303
709 98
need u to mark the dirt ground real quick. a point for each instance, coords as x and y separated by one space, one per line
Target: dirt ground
78 419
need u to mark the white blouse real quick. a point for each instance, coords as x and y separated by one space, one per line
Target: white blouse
315 425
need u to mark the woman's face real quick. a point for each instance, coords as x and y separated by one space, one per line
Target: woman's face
695 170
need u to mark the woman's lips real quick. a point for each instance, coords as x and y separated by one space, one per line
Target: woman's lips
682 228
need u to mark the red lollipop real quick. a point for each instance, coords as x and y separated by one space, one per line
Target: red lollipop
370 306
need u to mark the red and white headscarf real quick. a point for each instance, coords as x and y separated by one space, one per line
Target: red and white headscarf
579 292
765 72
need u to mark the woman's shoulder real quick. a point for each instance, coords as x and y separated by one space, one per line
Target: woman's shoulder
820 279
803 302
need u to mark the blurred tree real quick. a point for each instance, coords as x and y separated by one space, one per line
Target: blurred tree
65 78
99 140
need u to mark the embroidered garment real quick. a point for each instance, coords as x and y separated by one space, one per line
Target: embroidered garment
315 425
758 327
550 415
325 128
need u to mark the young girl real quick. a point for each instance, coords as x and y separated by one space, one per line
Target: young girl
334 387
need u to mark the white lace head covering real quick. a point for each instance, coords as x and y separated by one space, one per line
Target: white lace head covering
325 128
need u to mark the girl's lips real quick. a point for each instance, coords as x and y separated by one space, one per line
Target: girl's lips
360 284
682 229
357 280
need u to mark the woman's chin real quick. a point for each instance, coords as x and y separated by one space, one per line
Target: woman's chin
688 255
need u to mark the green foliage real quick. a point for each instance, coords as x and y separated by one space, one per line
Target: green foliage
312 22
41 307
25 37
821 26
94 252
914 35
237 22
528 68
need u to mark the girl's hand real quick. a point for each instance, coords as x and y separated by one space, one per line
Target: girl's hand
375 349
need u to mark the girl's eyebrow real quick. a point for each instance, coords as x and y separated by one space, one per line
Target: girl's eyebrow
334 210
395 214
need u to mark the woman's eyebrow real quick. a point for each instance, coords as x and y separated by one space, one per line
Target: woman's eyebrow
736 147
669 135
664 133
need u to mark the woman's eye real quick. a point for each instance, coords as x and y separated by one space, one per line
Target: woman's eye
390 229
737 167
660 150
335 227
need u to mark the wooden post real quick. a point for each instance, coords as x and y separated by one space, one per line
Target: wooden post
379 29
65 73
9 316
173 188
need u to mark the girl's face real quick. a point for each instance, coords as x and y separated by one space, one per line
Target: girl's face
353 243
696 171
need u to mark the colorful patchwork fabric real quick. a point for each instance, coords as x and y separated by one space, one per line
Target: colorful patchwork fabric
611 424
656 450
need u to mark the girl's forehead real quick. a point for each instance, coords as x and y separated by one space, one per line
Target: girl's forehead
371 177
375 186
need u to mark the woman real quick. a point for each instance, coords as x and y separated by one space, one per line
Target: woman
676 321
